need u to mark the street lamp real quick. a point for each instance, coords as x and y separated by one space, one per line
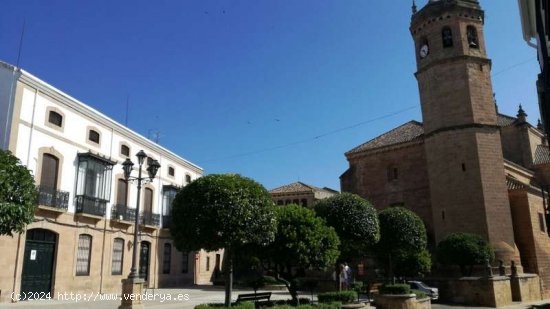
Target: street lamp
134 284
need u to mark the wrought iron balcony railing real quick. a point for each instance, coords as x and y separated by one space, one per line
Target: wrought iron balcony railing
52 198
123 213
148 218
90 205
166 221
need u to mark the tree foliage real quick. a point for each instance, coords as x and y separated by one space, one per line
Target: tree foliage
17 195
464 250
403 237
354 219
222 211
302 241
413 264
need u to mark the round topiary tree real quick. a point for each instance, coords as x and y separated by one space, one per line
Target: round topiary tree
17 195
355 221
402 233
464 250
222 211
413 264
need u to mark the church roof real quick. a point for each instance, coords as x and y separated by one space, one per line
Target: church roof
407 132
542 155
412 131
300 187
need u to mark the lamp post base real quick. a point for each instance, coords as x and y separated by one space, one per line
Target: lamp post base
132 289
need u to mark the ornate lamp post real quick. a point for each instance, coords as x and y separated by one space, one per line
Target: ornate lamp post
134 284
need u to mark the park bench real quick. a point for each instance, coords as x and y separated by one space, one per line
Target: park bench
257 298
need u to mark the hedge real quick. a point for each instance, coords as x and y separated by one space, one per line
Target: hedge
344 297
395 289
419 294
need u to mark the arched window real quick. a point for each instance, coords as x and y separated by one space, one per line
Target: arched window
55 118
167 259
471 33
93 136
118 256
125 150
49 173
83 256
447 37
187 179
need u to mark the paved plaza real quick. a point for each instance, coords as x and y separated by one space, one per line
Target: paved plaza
181 298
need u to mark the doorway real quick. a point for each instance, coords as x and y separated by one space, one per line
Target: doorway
144 254
38 262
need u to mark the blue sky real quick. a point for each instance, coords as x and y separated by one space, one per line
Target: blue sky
228 82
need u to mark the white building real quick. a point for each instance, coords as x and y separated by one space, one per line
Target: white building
82 238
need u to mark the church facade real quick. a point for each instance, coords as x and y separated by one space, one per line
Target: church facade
466 167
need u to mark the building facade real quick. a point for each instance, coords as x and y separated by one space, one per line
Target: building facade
300 193
82 237
465 168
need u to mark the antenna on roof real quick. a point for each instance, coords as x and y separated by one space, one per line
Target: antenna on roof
20 44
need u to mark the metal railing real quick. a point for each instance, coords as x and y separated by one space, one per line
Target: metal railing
148 218
90 205
52 198
123 213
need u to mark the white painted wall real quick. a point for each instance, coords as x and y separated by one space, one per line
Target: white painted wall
7 93
33 134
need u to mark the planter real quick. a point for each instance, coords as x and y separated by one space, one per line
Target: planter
405 301
356 306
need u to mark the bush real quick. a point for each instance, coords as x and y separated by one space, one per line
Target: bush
464 250
345 297
395 289
243 305
419 294
357 286
413 264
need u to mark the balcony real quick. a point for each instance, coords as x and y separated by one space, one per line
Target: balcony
92 207
166 222
123 214
150 219
51 199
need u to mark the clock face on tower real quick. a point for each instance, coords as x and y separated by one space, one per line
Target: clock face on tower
424 51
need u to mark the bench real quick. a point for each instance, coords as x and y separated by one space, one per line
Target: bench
258 298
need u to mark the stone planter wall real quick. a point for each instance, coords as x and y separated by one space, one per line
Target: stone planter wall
406 301
526 288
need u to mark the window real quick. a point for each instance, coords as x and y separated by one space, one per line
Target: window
288 202
83 255
168 196
184 262
55 119
393 173
118 256
541 222
217 266
187 179
304 202
471 34
125 150
148 200
171 171
207 263
93 136
93 184
167 258
49 172
122 192
447 36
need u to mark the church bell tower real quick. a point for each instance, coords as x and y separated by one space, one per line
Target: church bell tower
462 140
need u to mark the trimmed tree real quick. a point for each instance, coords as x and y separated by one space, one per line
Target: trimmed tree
222 212
17 195
464 250
402 234
413 264
302 241
355 221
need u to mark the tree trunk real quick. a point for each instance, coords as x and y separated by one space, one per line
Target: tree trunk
228 270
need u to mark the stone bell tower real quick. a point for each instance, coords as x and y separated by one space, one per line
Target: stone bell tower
462 140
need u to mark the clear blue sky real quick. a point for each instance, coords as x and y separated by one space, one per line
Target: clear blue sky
219 79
